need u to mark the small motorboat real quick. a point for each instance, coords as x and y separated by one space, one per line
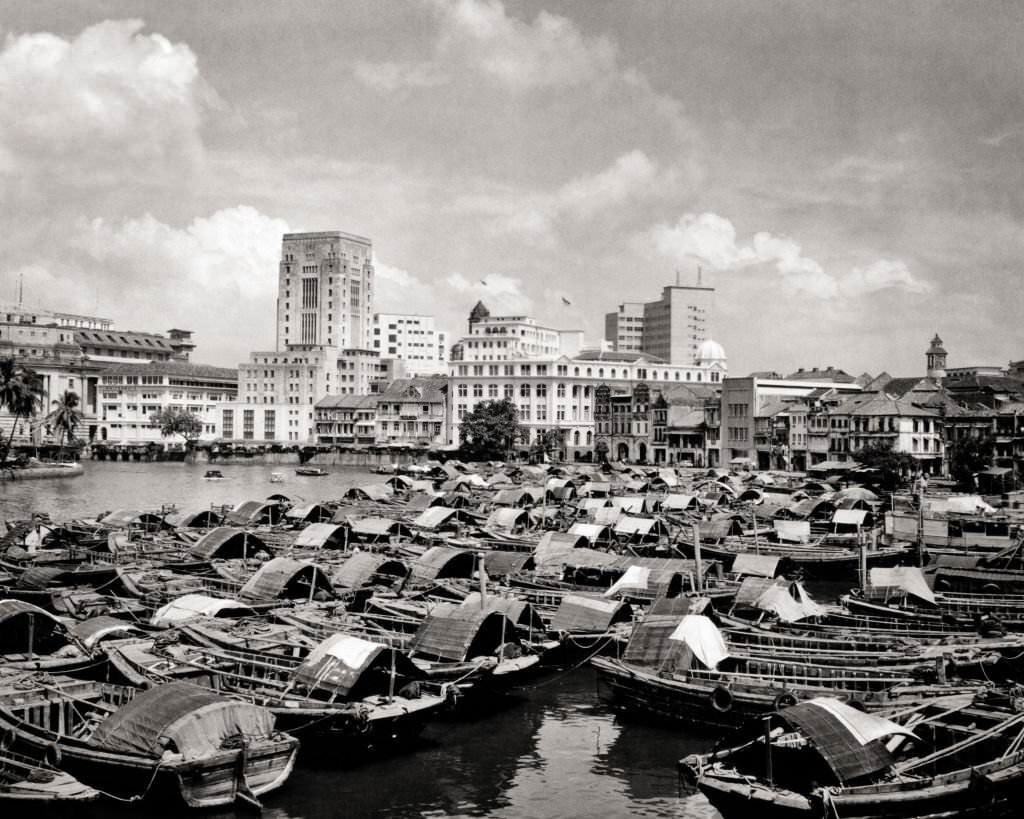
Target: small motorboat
277 477
311 471
213 475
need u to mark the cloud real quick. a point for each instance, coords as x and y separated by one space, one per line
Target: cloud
102 106
882 275
631 177
710 239
390 76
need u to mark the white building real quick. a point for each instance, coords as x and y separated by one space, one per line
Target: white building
672 328
130 394
550 377
412 339
325 295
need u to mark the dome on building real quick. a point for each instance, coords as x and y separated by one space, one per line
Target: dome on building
710 351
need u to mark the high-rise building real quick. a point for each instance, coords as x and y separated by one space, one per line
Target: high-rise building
672 327
413 340
325 290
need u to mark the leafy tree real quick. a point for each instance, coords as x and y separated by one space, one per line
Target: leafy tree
892 467
969 456
65 417
489 431
21 390
551 443
173 421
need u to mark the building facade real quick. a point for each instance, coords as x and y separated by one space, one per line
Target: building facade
347 420
413 412
672 328
551 378
412 339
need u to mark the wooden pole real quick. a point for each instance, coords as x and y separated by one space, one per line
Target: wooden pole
863 561
757 541
31 636
482 575
769 774
698 567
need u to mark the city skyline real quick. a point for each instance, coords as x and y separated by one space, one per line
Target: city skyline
845 174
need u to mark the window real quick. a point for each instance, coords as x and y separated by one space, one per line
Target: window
542 390
478 390
509 391
492 390
269 425
524 390
248 424
462 390
560 391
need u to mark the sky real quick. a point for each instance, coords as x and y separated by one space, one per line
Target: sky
848 175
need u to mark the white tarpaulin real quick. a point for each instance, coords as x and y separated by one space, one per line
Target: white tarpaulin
793 531
348 650
850 517
703 638
907 578
780 601
192 607
755 565
862 726
635 579
963 504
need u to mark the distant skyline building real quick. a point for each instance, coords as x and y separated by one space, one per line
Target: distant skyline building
673 327
412 339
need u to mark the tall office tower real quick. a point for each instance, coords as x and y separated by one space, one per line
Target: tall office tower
672 328
325 291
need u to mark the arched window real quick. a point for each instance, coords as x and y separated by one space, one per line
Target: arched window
576 438
590 436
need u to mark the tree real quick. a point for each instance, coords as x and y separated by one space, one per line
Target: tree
892 467
65 417
969 456
551 443
174 421
489 431
21 390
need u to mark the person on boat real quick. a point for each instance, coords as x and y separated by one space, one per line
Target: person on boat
988 625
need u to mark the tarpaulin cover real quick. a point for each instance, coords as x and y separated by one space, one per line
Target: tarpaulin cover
90 632
636 578
360 568
378 527
275 576
906 578
14 625
963 504
591 531
650 643
434 517
847 739
449 631
442 561
678 502
606 516
313 512
756 565
191 606
227 542
579 613
501 564
850 517
338 663
508 518
632 504
793 531
321 535
703 638
181 716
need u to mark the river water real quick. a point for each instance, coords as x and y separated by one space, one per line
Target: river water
552 751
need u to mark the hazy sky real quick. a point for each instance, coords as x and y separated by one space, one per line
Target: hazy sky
848 174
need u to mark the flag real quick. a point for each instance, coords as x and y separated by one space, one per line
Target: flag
483 282
565 300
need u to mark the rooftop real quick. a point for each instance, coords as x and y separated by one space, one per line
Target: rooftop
178 368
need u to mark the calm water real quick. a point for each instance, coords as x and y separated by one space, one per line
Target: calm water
554 751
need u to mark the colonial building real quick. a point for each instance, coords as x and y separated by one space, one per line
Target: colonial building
413 412
347 420
552 379
130 394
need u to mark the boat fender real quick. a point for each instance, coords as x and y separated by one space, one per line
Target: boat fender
722 699
7 737
784 700
52 755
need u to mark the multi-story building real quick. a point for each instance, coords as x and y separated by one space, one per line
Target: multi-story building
413 340
69 351
673 328
745 399
552 379
325 296
347 420
413 411
131 393
325 291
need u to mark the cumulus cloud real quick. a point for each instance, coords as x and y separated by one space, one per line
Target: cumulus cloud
881 275
631 177
710 239
101 106
391 76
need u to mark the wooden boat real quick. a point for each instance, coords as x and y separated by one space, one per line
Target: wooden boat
696 680
25 782
277 477
822 758
177 739
380 704
311 471
33 639
213 475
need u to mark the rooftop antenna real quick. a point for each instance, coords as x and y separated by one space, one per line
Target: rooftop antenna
700 275
21 287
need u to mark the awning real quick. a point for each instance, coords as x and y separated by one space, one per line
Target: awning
909 579
703 638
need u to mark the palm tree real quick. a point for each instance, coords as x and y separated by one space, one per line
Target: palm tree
65 417
21 390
